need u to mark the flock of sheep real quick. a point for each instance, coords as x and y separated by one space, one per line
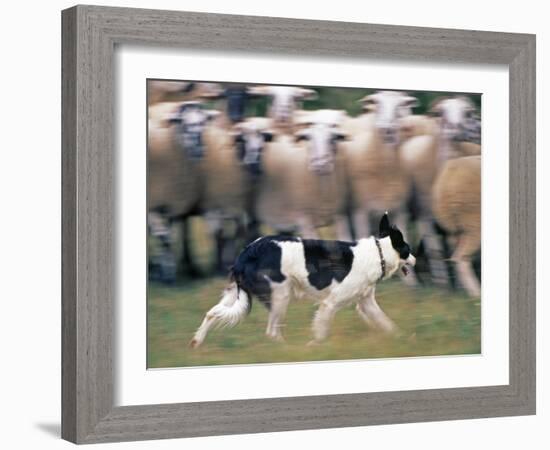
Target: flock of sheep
296 171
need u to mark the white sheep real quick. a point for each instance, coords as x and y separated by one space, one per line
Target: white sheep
226 190
377 180
428 142
174 180
301 184
457 208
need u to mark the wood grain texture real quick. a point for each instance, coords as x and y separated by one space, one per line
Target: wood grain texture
68 226
89 37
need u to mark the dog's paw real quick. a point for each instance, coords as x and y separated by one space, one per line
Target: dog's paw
313 343
276 338
194 343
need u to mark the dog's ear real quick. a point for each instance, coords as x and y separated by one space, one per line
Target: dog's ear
384 228
396 237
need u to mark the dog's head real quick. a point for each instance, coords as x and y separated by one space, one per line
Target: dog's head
403 250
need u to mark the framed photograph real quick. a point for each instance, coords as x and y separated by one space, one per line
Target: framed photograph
278 224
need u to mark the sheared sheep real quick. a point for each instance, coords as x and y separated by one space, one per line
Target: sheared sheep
175 152
457 208
428 143
301 181
377 180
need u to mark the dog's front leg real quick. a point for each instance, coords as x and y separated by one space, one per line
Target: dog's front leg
323 319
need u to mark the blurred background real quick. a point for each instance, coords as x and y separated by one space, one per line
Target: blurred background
228 163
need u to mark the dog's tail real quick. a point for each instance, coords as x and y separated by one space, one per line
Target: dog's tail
231 309
236 300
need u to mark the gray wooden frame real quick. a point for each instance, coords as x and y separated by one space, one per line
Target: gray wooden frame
90 34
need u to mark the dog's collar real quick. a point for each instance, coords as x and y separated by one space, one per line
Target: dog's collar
382 260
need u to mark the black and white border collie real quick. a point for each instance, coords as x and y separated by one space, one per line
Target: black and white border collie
278 269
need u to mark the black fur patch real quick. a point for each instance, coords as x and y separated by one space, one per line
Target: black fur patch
397 241
399 244
327 261
258 260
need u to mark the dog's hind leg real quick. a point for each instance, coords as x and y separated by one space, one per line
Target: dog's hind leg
280 298
230 310
372 314
200 335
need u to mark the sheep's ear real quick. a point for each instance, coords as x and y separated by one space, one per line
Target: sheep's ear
300 136
434 108
258 90
212 114
213 92
468 101
411 102
307 94
188 87
384 228
238 138
171 119
368 102
236 132
267 135
340 136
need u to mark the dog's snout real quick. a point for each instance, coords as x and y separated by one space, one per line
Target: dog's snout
411 260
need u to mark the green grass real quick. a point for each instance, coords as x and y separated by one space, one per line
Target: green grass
431 322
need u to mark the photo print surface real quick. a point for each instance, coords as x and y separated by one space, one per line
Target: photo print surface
311 223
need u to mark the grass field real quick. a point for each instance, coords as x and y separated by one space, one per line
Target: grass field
431 322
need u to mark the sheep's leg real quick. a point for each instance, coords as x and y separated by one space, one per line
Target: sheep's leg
361 225
306 228
220 245
434 252
280 298
343 231
161 229
468 244
252 231
215 225
229 251
372 314
401 221
187 264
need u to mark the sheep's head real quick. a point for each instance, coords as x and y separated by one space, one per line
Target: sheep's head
321 130
283 99
250 137
457 117
191 119
389 107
